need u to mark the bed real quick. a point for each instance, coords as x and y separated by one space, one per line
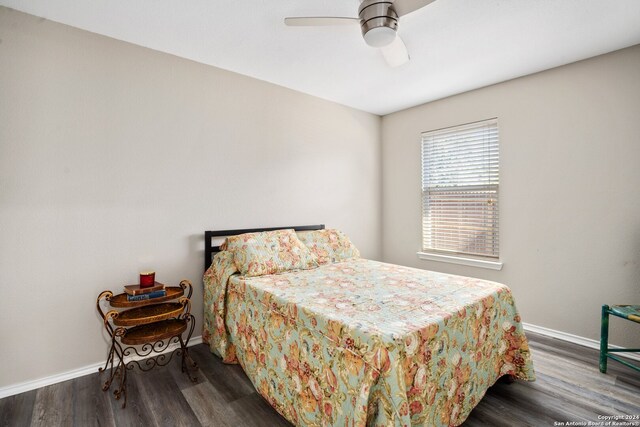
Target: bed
363 343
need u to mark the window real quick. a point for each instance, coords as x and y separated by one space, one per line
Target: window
460 176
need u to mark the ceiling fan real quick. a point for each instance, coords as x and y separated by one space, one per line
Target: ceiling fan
378 20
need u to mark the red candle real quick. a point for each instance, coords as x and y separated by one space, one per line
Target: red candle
147 279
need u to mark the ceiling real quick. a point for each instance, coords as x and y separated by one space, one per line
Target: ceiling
455 45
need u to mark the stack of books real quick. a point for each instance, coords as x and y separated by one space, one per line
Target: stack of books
136 293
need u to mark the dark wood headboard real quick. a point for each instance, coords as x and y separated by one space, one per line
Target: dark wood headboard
210 250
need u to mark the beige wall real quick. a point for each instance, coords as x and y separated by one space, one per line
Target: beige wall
569 189
114 158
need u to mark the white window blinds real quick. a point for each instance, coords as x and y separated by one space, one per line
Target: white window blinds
460 176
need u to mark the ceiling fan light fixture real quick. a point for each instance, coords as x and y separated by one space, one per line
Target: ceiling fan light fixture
378 21
380 36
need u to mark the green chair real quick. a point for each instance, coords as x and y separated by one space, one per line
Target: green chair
629 312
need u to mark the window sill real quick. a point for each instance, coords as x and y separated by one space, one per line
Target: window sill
457 259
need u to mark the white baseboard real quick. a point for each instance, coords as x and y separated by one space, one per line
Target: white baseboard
575 339
75 373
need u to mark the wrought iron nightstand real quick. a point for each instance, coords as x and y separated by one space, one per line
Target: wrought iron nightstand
154 324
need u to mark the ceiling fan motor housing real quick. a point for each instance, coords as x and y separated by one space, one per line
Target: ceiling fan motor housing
378 21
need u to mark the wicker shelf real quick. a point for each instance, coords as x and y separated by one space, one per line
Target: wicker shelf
154 331
148 314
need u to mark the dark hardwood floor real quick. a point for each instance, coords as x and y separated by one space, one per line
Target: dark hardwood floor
569 387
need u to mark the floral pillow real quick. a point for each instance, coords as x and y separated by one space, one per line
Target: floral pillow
329 245
269 252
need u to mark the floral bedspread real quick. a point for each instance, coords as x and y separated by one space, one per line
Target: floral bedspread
365 343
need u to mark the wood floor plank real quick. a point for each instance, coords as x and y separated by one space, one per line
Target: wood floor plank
17 410
210 408
627 381
253 410
571 405
91 406
181 378
491 411
136 413
602 400
520 404
54 405
230 380
163 397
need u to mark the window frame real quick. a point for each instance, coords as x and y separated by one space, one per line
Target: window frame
480 183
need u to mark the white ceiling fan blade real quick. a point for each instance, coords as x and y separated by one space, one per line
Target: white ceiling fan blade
403 7
396 53
320 21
